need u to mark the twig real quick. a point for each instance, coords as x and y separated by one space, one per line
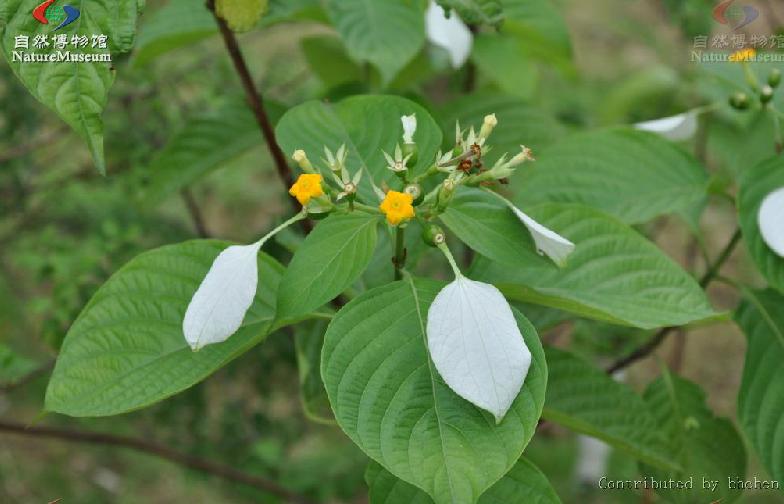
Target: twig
652 344
256 103
160 451
195 213
399 261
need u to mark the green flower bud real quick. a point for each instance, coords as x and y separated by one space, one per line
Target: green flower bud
766 94
774 78
433 235
740 101
411 153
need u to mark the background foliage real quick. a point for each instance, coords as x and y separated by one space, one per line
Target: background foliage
184 159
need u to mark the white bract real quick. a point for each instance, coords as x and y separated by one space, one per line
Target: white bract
547 241
676 128
771 221
224 296
409 128
476 345
449 33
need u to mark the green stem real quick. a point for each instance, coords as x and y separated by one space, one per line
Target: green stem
301 215
779 139
399 261
449 257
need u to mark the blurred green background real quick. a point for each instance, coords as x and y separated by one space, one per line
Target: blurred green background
64 230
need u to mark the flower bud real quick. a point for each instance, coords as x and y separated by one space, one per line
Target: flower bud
766 94
410 152
433 235
302 161
740 101
487 127
774 78
445 193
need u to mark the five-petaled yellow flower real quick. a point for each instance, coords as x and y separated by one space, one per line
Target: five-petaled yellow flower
397 206
308 186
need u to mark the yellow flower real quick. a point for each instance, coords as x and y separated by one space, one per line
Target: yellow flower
308 186
747 54
397 206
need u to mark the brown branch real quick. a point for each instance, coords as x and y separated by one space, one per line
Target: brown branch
652 344
195 213
256 103
199 464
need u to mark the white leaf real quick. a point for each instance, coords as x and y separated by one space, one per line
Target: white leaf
450 33
547 241
676 128
771 221
476 345
218 307
409 128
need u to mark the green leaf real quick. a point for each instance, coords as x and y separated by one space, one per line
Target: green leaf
177 24
389 399
367 125
518 123
181 23
524 484
475 11
76 91
614 274
330 259
587 400
327 57
308 342
386 34
542 28
755 184
633 175
14 366
704 445
504 61
487 225
761 394
126 349
206 143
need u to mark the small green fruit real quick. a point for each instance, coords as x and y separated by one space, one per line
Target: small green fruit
433 235
740 101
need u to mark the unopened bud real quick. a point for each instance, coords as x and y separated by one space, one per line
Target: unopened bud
774 78
766 94
302 161
487 127
739 101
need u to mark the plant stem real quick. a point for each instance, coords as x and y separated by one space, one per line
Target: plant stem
256 103
195 213
449 257
399 261
652 344
142 445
